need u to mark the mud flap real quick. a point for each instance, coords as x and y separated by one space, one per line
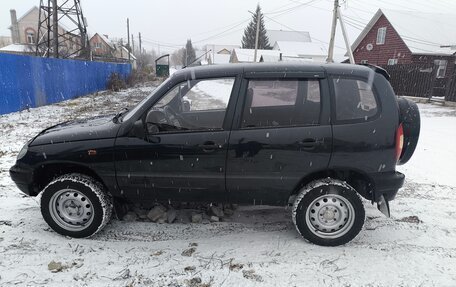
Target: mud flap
120 208
383 206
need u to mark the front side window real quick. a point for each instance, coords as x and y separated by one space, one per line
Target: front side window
279 103
192 105
381 35
355 99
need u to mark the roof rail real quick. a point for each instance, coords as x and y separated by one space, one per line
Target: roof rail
378 69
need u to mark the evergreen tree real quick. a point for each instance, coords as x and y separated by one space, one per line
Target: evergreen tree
248 40
188 55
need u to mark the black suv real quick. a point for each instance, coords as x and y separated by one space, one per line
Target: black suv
318 137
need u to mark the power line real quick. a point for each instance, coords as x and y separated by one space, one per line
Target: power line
243 21
223 32
291 29
286 11
281 12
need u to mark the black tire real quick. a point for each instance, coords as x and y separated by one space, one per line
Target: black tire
76 205
328 212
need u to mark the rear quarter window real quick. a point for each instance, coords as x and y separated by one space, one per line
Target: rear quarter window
355 99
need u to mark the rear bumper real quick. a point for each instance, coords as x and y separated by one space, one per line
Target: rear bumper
387 184
23 178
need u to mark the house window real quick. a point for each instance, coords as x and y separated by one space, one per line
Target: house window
392 62
381 34
30 37
98 45
364 62
441 70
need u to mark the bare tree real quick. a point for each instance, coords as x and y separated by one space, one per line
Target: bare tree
146 58
177 57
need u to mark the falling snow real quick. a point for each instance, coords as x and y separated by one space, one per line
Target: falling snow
388 252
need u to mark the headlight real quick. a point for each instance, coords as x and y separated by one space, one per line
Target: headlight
23 151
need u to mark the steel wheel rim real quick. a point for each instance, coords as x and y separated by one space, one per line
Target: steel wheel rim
71 209
330 216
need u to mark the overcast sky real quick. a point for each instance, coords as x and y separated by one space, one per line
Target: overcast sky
168 23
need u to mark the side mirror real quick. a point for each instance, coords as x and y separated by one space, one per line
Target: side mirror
152 133
152 119
137 130
186 104
152 128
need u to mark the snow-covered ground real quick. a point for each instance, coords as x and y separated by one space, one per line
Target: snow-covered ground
258 247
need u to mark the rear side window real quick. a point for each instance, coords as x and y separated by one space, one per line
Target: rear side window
355 99
276 103
273 93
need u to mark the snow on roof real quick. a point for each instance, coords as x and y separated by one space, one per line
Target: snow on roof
248 55
220 58
18 48
295 36
269 58
131 54
297 59
106 40
300 48
339 58
217 48
423 33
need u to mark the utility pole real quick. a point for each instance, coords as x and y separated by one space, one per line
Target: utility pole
121 48
337 14
140 49
344 33
333 33
128 35
50 38
132 43
55 26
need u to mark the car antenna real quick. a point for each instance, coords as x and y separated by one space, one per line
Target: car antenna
196 59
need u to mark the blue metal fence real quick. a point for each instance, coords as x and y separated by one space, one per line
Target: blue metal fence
27 81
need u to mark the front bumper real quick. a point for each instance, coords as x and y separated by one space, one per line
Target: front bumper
23 178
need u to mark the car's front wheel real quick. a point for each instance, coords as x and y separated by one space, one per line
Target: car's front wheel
328 212
76 205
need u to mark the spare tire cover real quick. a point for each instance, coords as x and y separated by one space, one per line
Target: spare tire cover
409 116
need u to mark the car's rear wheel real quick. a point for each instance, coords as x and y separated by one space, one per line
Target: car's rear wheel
328 212
76 205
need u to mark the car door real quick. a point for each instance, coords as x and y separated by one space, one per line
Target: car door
283 134
182 155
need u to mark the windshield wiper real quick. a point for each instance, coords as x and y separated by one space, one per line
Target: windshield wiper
116 118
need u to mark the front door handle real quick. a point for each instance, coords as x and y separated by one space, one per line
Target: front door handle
308 143
208 146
